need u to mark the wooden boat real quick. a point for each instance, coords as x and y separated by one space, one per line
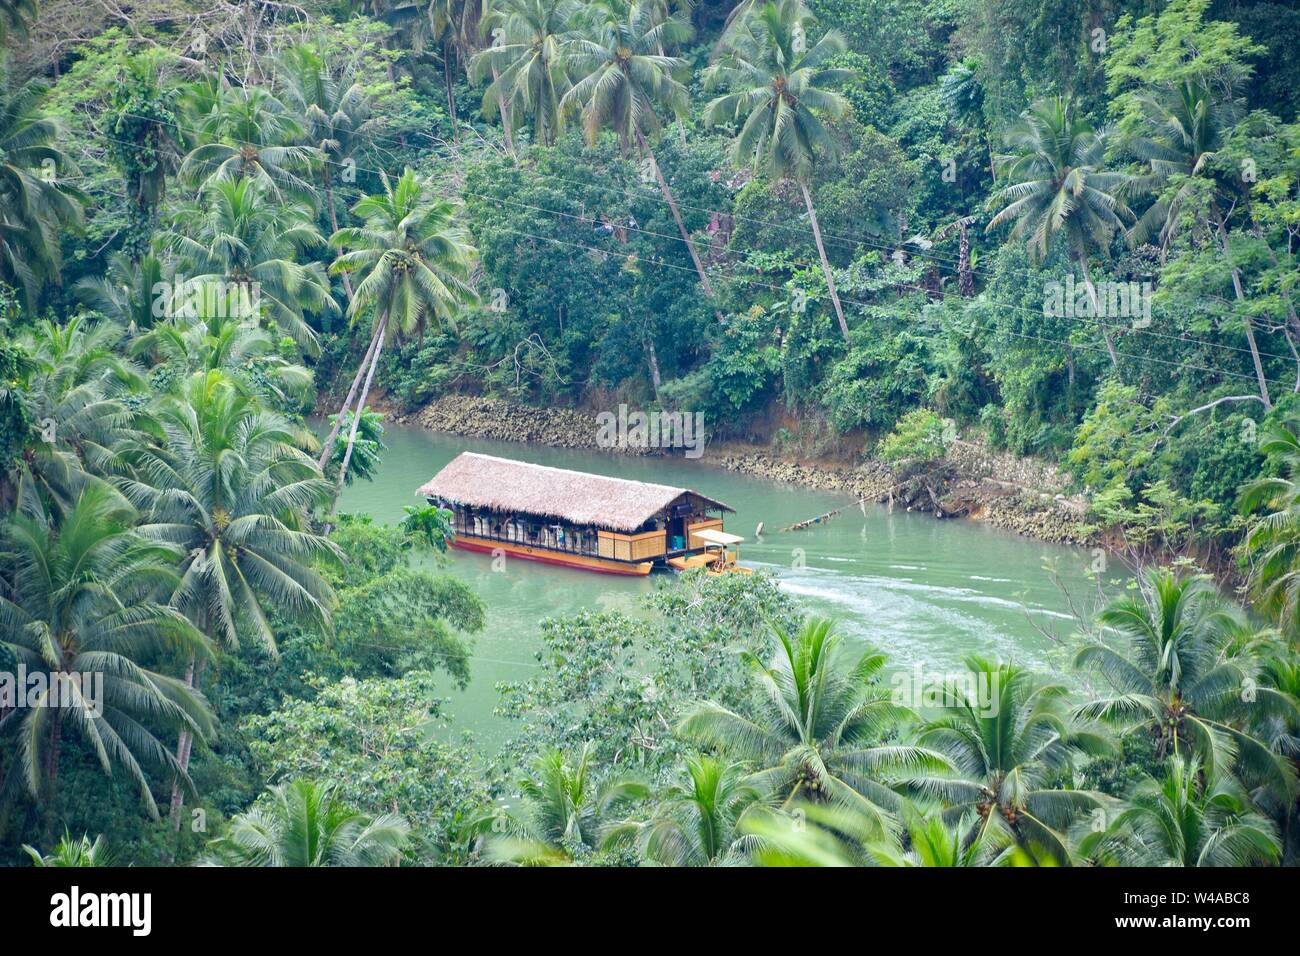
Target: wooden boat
570 518
715 557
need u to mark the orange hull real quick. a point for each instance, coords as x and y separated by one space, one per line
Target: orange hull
529 553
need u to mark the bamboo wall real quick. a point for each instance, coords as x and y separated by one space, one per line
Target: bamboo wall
633 547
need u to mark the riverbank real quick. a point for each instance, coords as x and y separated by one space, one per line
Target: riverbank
1014 494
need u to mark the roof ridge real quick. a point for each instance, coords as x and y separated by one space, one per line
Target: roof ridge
574 471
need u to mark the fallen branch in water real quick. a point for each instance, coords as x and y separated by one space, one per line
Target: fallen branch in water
809 522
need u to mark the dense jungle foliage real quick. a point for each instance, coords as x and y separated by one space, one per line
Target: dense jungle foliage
1069 228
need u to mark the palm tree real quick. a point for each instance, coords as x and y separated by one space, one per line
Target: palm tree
1190 818
36 200
1181 679
564 814
200 100
623 78
526 61
1180 134
813 835
1282 732
823 732
235 237
468 38
456 24
1054 185
419 24
962 93
778 83
699 820
1008 750
70 852
228 485
305 824
80 606
126 294
340 123
76 383
825 835
1273 542
428 525
932 841
215 338
415 265
249 134
366 450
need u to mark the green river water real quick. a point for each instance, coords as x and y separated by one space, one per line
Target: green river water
924 591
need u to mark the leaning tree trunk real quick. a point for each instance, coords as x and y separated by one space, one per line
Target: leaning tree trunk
1292 327
677 217
451 95
334 224
826 264
507 116
653 359
361 407
1101 319
347 403
1240 292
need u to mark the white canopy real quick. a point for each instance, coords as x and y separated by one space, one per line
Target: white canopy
720 538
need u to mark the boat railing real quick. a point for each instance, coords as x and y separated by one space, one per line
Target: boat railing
551 538
648 545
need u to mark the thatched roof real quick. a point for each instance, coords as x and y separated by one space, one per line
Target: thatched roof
576 497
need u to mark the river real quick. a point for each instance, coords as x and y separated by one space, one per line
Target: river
924 591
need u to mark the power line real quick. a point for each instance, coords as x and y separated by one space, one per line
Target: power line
848 241
807 265
783 290
1137 358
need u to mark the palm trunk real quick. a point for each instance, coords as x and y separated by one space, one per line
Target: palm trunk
1245 318
677 217
507 118
1101 319
653 359
361 407
347 403
552 112
451 96
1069 381
334 225
826 264
184 743
56 741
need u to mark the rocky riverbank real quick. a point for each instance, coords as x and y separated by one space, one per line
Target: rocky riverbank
497 419
971 482
1015 494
